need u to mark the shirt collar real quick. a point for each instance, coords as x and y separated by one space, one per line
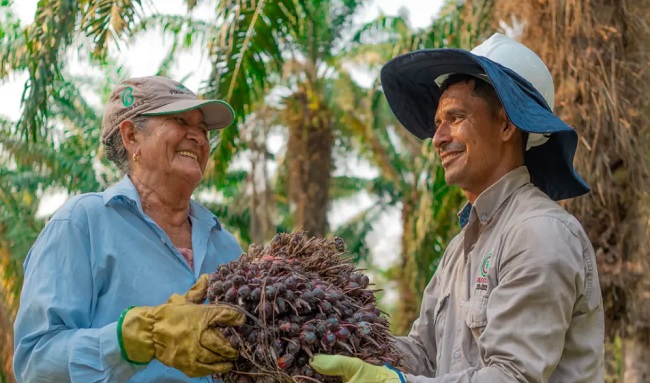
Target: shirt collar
488 202
125 192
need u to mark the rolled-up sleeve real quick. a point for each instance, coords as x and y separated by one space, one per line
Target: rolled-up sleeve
541 274
53 338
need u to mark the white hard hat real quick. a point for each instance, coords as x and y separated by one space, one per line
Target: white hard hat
520 59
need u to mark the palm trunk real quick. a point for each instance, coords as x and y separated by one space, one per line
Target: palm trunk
635 356
597 51
6 342
408 305
309 155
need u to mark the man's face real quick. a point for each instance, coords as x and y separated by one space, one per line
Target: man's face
468 139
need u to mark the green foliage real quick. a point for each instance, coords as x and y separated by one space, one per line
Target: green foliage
255 47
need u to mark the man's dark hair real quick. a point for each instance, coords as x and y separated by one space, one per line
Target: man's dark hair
484 90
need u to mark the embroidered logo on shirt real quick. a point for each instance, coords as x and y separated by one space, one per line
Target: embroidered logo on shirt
486 264
482 280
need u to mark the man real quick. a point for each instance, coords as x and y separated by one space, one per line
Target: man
516 297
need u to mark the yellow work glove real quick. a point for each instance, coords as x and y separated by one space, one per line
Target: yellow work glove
180 333
354 370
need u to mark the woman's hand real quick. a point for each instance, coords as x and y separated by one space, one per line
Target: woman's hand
180 333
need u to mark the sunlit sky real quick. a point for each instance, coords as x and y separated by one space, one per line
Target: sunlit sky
144 56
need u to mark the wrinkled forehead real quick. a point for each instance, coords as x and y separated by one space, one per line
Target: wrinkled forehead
460 95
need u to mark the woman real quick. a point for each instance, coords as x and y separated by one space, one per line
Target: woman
95 304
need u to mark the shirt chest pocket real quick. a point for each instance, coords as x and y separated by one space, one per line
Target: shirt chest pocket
476 315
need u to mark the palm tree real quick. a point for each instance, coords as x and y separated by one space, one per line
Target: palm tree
292 43
597 54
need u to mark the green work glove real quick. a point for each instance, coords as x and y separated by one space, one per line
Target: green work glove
180 333
354 370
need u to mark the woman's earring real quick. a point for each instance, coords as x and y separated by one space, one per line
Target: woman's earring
136 157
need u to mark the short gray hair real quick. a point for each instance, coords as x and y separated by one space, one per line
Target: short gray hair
115 149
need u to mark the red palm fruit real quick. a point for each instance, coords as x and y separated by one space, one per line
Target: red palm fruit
364 328
224 270
318 293
307 296
269 292
367 316
252 337
267 309
285 361
342 333
301 361
321 328
281 305
293 346
339 244
291 282
238 280
284 326
278 346
325 306
294 330
244 292
307 338
256 294
231 295
332 323
296 319
352 286
367 296
328 339
281 288
290 296
364 281
234 341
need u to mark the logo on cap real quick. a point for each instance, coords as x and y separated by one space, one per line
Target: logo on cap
127 97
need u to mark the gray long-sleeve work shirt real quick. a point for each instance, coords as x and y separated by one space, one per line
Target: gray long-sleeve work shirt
516 297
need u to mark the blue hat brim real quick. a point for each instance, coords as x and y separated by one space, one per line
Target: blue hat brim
409 84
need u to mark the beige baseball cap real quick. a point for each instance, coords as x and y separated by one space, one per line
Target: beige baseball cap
158 96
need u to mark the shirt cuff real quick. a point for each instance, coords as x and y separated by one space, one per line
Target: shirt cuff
111 353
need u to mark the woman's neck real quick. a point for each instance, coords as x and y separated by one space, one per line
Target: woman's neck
168 208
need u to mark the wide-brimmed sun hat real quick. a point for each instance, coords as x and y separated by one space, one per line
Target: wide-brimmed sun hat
157 96
411 83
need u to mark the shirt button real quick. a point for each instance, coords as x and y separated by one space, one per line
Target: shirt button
484 217
456 354
162 239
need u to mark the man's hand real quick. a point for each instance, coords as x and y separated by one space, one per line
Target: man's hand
180 333
354 370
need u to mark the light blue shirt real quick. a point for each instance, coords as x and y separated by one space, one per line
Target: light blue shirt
98 255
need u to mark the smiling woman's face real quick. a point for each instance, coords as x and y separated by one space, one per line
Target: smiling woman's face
175 146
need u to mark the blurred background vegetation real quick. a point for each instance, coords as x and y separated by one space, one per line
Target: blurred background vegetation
284 65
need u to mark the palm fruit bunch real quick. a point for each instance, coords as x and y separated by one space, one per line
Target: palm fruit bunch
302 296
